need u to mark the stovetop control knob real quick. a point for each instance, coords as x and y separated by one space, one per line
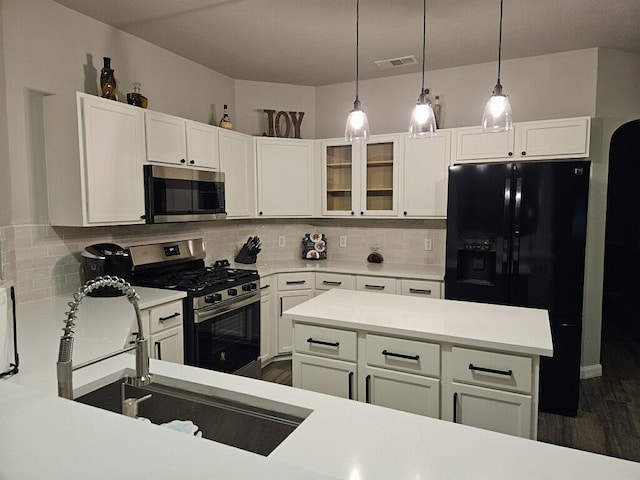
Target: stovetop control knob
253 286
232 292
246 287
213 298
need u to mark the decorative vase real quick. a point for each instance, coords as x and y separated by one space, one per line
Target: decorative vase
108 81
136 98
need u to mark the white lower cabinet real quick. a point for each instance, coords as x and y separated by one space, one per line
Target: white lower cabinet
402 391
168 345
285 331
325 375
162 324
421 288
491 409
327 281
376 284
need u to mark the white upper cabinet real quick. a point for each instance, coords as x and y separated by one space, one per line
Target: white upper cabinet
285 177
237 164
425 174
540 140
177 141
94 152
361 179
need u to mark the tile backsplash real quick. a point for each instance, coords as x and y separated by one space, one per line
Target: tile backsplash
44 261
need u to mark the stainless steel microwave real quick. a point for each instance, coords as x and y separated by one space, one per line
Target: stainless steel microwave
183 194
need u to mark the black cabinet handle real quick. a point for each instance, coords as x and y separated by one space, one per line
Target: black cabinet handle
400 355
164 319
507 373
367 386
361 213
280 306
182 160
405 214
328 282
192 162
350 385
523 153
143 217
374 287
510 154
322 342
264 286
353 213
259 213
455 407
420 291
296 282
158 351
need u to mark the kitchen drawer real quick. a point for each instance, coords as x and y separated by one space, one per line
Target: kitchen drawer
326 342
295 281
498 370
405 355
420 288
165 316
327 281
376 284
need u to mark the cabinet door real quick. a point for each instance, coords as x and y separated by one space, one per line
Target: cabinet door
340 178
285 330
202 145
402 391
426 160
379 176
237 164
114 155
474 143
496 410
285 177
267 320
567 138
325 375
168 345
165 138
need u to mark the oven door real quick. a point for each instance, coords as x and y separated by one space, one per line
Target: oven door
227 338
183 194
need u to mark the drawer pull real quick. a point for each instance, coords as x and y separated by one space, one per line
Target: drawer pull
374 287
367 394
421 291
400 355
264 286
328 282
350 385
455 407
164 319
296 282
507 373
322 342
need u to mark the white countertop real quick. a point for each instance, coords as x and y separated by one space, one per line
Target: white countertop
513 329
43 436
398 270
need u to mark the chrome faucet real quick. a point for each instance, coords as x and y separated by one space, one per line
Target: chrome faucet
64 365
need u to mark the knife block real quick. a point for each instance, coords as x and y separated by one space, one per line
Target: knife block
244 256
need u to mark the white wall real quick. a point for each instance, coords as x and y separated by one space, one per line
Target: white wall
5 168
252 98
51 49
542 87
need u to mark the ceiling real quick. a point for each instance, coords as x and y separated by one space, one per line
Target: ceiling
312 42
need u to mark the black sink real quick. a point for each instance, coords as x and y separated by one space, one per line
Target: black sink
242 421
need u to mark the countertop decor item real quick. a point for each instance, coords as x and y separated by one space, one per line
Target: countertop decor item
375 257
314 246
108 81
136 98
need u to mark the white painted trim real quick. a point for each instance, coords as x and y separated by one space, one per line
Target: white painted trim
591 371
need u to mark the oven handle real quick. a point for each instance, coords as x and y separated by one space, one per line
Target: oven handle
205 314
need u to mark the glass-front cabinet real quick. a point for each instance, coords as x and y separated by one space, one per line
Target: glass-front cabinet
361 179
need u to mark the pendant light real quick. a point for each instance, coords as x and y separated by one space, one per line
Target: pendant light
497 114
423 121
357 128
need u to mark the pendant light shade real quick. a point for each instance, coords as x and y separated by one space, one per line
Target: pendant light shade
357 128
423 120
497 114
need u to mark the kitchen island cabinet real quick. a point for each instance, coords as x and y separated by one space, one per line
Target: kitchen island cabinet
94 151
482 360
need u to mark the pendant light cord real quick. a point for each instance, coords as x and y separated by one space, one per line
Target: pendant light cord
357 47
500 43
424 41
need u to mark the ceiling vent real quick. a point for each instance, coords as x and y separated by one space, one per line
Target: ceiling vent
396 62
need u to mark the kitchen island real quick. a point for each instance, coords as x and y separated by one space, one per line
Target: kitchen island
43 436
471 363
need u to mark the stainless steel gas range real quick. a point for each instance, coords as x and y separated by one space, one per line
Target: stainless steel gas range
222 307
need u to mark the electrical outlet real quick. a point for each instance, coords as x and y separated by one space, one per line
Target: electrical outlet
281 241
428 244
343 241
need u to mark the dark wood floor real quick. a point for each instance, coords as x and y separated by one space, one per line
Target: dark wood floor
608 420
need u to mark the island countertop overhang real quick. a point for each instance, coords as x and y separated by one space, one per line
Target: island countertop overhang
499 327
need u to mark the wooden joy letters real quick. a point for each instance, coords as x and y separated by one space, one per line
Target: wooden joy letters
276 119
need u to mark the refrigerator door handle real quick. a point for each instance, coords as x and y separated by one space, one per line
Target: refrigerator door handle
507 233
517 217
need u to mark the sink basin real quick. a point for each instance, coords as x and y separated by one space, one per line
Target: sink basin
243 421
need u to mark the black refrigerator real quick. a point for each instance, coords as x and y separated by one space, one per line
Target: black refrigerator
516 235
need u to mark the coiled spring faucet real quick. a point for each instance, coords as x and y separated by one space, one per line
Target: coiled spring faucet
64 365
